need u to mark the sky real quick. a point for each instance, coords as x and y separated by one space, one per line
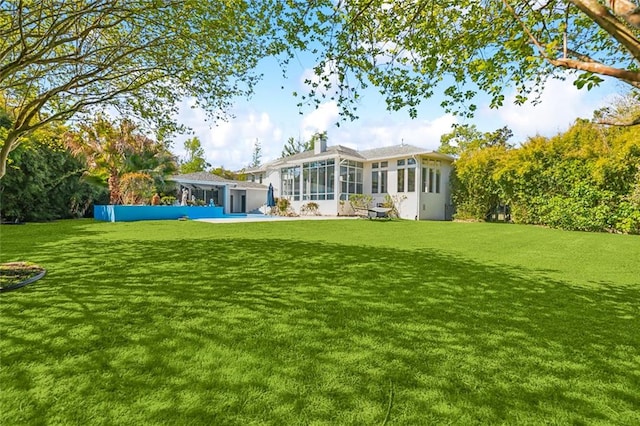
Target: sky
271 116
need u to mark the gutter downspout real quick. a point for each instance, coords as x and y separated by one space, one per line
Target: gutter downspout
418 176
337 184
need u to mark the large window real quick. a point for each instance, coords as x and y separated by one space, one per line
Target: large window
375 181
350 178
290 182
318 180
411 175
406 175
431 176
379 177
401 169
411 179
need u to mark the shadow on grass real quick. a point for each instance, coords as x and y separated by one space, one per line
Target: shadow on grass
278 331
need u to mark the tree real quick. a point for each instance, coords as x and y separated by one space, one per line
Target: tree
228 174
465 138
256 158
62 58
137 188
194 161
45 182
295 146
475 192
623 111
154 159
112 150
459 139
582 179
409 47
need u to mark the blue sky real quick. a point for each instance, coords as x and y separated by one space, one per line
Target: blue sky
272 116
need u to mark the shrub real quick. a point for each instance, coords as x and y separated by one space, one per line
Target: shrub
136 188
310 208
46 183
393 202
283 207
360 201
168 200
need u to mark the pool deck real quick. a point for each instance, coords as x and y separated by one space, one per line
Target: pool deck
269 218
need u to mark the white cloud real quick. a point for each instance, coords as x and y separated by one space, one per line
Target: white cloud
319 120
560 105
367 133
272 120
230 143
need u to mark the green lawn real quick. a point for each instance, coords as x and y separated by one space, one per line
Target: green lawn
320 322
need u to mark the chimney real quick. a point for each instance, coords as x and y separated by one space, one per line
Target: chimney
320 146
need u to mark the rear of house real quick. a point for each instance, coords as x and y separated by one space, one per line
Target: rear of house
416 179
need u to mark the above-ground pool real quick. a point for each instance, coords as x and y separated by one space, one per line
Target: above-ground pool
117 213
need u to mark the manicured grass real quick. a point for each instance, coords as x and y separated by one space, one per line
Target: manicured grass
332 322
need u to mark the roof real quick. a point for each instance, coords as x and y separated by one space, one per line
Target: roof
257 169
401 151
330 152
211 179
243 184
200 177
394 151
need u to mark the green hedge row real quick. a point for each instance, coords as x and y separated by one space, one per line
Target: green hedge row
587 178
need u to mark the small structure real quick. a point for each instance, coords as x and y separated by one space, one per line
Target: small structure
202 196
233 196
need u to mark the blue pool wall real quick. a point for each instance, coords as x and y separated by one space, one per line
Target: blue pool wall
116 213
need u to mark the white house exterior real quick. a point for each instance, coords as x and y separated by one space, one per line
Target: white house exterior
416 178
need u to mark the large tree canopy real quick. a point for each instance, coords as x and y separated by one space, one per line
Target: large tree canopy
409 48
59 58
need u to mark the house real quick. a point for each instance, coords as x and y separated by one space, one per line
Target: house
417 179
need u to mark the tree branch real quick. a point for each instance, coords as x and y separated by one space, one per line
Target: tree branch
634 122
608 22
585 63
630 77
627 11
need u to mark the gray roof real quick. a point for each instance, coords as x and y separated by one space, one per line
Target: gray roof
393 151
331 151
260 168
211 179
200 177
243 184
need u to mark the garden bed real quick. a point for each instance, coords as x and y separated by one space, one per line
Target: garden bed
14 275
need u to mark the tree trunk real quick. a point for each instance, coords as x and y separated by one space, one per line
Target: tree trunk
10 143
114 188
